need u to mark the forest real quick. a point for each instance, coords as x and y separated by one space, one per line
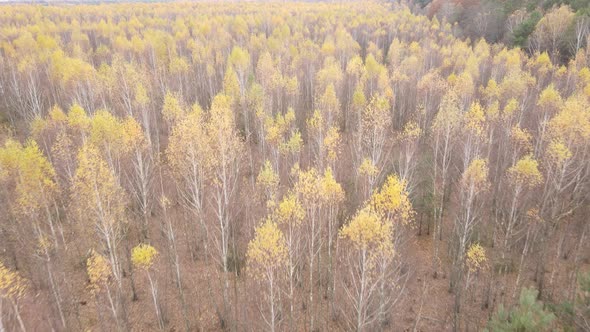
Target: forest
293 166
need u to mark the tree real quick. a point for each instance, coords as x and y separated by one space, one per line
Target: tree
444 127
187 152
308 189
528 315
290 214
393 204
524 175
13 288
550 30
99 275
267 256
100 204
224 162
367 239
371 136
582 302
473 182
35 206
172 110
332 196
143 256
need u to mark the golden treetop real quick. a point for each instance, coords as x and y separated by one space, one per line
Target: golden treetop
268 249
308 187
558 152
143 255
96 188
289 210
368 231
34 174
267 178
526 172
476 175
332 143
172 111
392 201
331 191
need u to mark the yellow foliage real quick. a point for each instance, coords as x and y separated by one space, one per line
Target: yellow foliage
316 121
226 145
293 144
56 114
97 190
509 109
12 285
188 145
108 131
376 116
332 143
521 138
231 84
526 172
141 96
550 98
330 190
172 111
367 231
289 210
267 178
143 255
476 257
475 119
557 152
572 123
449 116
367 168
411 131
78 119
308 187
33 173
267 251
133 136
393 202
99 271
491 91
476 175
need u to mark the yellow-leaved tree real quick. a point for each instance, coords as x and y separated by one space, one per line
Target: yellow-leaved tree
332 196
100 274
308 190
474 182
367 239
99 203
13 288
393 205
224 161
445 128
143 256
289 215
267 257
268 182
523 176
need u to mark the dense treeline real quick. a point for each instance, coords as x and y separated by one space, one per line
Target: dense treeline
558 27
190 166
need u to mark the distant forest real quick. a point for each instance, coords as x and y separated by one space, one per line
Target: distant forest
522 23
